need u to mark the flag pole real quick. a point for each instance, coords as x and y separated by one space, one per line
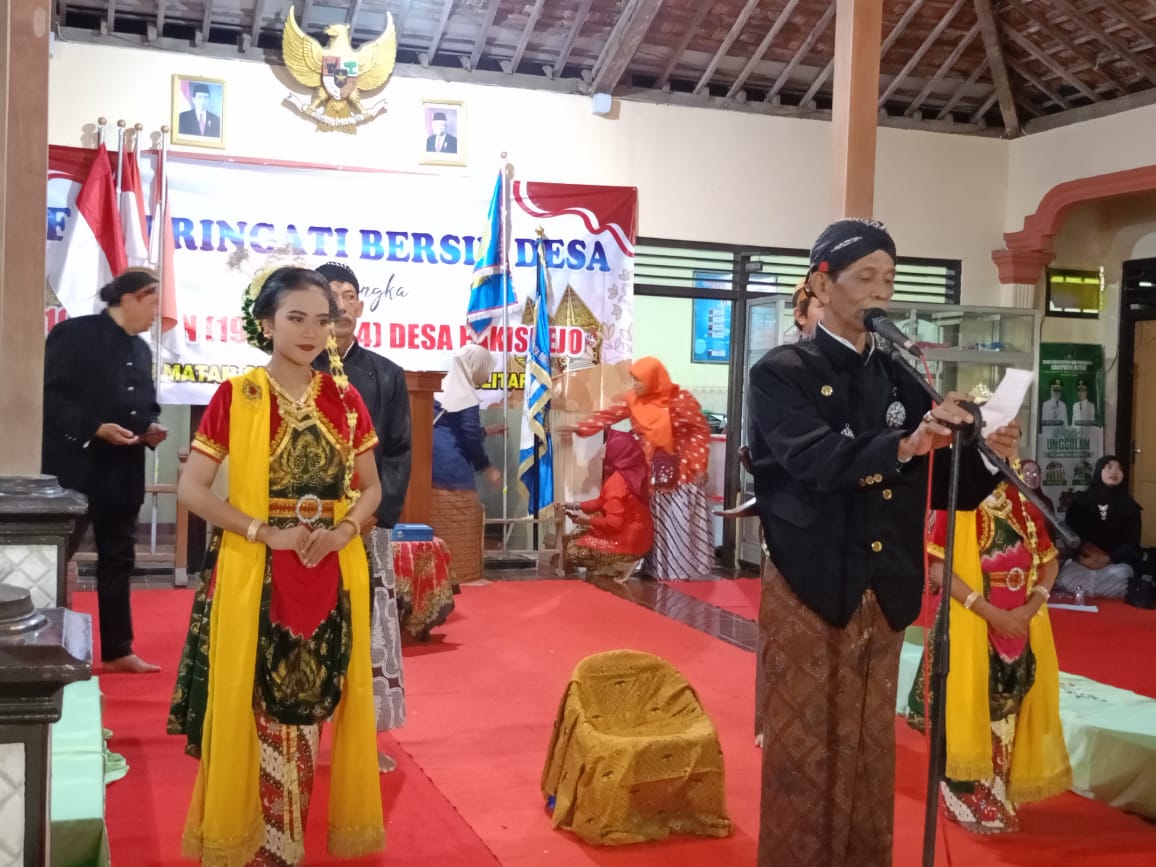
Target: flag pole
136 131
503 254
160 175
101 123
120 125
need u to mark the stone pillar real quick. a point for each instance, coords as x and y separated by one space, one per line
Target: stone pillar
41 651
422 386
24 28
36 518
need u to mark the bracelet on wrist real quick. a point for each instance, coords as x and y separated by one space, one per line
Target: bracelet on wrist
1042 591
352 522
971 599
254 528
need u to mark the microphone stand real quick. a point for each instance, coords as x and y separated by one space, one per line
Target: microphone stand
961 437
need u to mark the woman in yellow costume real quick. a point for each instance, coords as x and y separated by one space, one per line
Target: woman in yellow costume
279 638
1005 745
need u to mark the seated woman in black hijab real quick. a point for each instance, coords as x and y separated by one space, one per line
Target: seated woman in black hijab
1107 519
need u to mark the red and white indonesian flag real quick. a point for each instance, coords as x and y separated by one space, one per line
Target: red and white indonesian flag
160 249
94 242
132 212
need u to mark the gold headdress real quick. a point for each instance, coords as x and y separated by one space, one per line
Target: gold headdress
256 337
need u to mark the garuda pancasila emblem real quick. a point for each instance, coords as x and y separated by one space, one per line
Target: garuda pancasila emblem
339 74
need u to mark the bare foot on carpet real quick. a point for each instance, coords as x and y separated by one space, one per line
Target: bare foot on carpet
131 664
385 764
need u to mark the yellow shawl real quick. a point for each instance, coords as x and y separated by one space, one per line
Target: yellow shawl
225 826
1039 764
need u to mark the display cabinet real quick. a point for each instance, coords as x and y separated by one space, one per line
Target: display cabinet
966 347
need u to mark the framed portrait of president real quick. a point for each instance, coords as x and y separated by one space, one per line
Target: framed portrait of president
442 140
198 112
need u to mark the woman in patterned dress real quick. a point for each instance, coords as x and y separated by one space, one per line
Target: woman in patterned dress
1005 744
279 637
676 438
618 529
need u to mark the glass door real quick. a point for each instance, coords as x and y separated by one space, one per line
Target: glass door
769 322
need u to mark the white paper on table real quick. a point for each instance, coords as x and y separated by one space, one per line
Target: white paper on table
1091 609
1005 404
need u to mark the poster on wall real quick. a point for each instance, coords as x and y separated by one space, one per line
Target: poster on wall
1071 434
411 239
711 331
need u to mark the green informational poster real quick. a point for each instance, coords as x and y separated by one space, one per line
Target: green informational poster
1071 435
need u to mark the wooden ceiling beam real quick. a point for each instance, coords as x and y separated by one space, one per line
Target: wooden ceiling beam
1051 63
426 57
984 107
990 31
820 26
484 34
967 85
1091 112
527 32
1065 42
736 28
575 28
623 44
351 16
255 28
1122 13
202 35
891 39
913 61
683 43
944 68
1038 85
760 52
1086 21
1027 105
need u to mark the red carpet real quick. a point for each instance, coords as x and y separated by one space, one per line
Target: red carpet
482 697
1104 646
1116 645
737 595
145 812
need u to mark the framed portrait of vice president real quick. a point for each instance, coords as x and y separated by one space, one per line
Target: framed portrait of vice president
198 112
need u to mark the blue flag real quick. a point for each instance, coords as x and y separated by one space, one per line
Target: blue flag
536 459
492 289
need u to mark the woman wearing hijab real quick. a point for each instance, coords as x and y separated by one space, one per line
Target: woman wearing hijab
619 531
675 438
1107 519
459 452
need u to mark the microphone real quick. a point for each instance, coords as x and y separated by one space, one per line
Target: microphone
875 320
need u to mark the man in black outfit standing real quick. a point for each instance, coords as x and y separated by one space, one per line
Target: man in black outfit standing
100 412
840 439
381 384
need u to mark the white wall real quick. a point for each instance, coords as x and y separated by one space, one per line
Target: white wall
703 175
1040 161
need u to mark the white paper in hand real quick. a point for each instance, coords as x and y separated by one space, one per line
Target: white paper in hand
1005 404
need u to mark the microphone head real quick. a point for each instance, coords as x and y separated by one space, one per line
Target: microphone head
871 317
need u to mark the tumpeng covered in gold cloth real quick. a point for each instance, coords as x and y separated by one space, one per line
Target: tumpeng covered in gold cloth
634 755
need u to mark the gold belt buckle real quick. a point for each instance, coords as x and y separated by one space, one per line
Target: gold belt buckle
308 509
1016 579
